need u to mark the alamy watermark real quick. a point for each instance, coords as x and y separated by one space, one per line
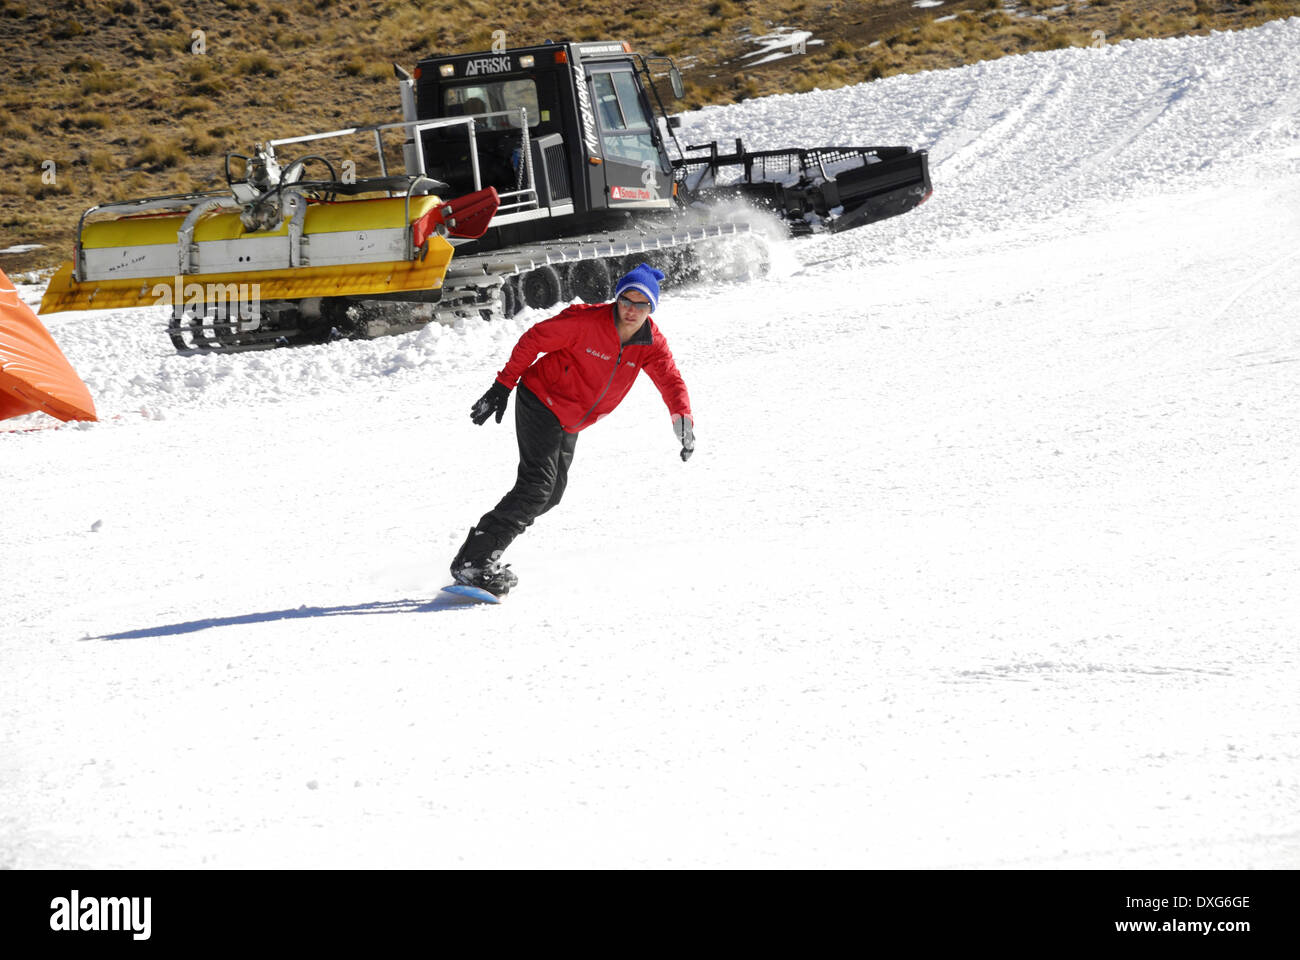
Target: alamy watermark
77 913
650 179
227 301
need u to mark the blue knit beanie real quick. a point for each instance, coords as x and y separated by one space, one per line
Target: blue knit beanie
644 278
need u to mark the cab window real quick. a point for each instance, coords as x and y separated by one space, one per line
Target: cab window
625 126
493 97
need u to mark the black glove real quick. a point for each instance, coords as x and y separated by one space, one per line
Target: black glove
684 427
494 401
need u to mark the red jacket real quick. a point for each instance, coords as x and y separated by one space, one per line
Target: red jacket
585 372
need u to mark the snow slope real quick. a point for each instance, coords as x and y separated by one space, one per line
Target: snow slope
984 560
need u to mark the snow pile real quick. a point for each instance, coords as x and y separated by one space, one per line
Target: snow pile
1031 137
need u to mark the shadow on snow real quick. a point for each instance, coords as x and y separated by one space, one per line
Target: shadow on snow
443 601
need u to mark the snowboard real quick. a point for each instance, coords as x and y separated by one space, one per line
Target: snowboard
473 593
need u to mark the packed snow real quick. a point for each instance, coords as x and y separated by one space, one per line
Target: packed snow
986 557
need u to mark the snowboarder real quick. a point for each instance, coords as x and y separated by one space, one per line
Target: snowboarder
591 354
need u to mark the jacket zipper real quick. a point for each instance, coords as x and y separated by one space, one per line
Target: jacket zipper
608 383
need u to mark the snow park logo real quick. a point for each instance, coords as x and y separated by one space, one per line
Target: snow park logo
76 913
227 300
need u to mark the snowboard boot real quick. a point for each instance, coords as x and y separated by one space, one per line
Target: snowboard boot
476 564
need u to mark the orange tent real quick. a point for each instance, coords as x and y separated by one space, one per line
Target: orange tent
34 373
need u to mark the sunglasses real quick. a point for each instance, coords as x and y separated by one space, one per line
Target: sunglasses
637 304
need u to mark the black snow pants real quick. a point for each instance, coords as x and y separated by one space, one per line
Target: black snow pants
545 452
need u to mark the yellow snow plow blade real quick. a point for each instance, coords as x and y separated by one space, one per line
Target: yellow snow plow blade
64 293
351 248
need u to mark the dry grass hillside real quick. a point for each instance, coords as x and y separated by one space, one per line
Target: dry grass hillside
111 99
